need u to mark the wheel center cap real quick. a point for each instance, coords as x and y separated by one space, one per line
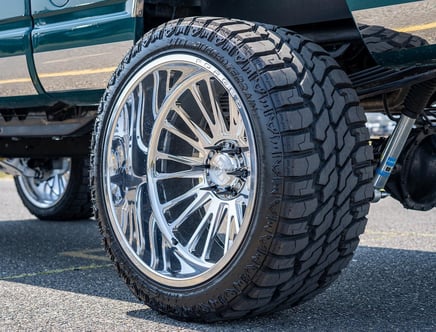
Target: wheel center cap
220 165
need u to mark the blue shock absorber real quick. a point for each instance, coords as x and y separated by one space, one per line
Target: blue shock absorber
391 153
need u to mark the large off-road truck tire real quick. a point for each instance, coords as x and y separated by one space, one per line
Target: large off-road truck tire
231 169
60 192
379 39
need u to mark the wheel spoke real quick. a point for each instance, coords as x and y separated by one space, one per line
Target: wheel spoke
138 119
166 260
173 130
62 184
236 126
202 136
188 174
155 96
201 105
220 128
57 186
189 161
122 125
233 223
218 211
166 80
128 148
163 254
196 236
123 216
189 265
131 221
202 198
130 135
47 189
152 237
188 194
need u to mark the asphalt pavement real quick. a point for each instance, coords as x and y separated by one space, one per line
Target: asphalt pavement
55 276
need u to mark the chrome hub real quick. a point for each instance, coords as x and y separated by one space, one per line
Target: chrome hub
226 170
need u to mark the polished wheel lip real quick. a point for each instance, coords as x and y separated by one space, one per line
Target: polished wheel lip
40 192
208 69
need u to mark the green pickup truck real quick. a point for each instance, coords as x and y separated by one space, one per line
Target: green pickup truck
221 145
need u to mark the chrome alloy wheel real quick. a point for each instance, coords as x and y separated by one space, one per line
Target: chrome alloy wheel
47 188
179 170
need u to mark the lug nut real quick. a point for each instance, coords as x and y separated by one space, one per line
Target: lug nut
214 147
240 173
210 188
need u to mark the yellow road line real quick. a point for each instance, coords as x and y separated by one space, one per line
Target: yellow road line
415 28
16 80
56 271
87 254
79 72
62 74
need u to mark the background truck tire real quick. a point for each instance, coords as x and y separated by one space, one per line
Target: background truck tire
307 161
379 39
62 195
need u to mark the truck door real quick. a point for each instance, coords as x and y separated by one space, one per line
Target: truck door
77 44
15 27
